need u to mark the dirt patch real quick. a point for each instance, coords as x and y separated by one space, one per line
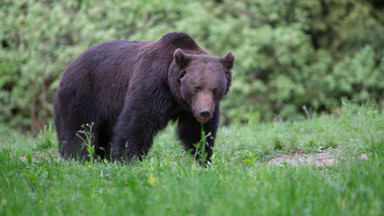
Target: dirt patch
317 159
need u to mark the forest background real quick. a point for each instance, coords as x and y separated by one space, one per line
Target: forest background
289 53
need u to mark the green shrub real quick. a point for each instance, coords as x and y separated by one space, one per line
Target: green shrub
288 53
360 76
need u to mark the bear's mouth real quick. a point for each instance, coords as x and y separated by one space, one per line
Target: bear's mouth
200 118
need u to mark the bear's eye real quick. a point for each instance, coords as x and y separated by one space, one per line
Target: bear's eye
197 89
214 91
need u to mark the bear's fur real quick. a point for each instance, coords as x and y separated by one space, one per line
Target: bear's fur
130 90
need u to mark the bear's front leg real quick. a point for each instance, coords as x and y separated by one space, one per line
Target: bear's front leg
137 124
189 132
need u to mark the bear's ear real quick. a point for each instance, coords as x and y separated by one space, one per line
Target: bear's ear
228 60
182 73
181 58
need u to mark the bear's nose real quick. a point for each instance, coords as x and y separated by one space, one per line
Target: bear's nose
205 113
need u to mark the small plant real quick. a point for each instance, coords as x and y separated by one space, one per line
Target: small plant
46 137
277 145
200 146
86 136
250 159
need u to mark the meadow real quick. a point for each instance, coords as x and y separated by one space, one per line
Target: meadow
240 181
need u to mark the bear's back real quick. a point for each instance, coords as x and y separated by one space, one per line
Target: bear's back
108 70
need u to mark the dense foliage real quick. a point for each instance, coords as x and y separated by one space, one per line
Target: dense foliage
288 53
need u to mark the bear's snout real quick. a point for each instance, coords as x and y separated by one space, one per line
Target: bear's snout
205 113
203 107
203 116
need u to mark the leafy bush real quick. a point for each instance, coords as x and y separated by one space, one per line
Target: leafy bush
360 77
288 53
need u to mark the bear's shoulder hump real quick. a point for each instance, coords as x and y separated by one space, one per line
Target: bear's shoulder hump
178 39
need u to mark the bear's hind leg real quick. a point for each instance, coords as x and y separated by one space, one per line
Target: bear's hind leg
74 135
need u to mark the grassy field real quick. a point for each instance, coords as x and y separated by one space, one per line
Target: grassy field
240 181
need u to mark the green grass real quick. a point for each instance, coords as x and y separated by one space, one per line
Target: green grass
33 181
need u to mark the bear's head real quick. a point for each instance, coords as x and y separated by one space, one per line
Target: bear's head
203 81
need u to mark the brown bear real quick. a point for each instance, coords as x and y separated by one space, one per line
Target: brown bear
130 90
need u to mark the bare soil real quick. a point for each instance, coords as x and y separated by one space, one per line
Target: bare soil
317 159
